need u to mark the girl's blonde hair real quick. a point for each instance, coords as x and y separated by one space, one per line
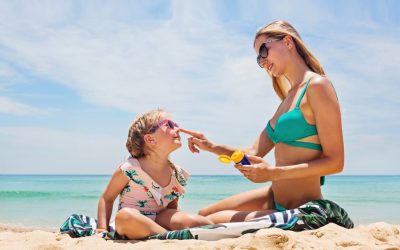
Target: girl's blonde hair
280 29
139 127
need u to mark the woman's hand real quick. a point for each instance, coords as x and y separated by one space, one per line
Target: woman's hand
197 141
260 171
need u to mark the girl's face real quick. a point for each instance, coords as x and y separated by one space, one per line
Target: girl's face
166 134
272 54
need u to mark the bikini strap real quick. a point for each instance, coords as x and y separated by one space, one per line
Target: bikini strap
302 93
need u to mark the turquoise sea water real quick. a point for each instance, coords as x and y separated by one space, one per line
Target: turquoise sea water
45 201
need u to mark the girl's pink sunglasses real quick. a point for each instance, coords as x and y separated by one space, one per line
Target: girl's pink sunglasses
171 125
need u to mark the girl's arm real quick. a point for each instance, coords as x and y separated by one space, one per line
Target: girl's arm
323 101
117 183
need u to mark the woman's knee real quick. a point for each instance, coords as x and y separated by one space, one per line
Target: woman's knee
204 211
202 220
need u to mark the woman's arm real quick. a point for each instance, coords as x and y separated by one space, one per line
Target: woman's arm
199 141
260 147
117 183
323 101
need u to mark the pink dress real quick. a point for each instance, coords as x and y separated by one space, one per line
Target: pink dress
146 195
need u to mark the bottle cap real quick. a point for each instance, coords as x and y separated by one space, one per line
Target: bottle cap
237 156
224 159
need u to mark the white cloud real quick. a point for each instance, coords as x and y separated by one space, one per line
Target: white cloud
139 64
11 107
202 70
6 71
132 67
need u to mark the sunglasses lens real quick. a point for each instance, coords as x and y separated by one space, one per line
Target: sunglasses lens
264 51
172 124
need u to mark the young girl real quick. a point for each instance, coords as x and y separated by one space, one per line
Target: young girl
148 183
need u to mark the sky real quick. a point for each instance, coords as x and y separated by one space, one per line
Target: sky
74 74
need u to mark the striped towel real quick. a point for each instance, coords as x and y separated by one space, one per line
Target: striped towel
312 215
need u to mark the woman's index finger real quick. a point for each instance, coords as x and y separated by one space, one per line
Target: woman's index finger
191 132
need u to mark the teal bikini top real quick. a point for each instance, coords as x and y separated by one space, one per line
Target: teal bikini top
291 126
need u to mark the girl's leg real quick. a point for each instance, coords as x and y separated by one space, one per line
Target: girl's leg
253 200
173 219
131 223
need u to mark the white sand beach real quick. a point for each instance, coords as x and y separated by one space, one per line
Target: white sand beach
378 235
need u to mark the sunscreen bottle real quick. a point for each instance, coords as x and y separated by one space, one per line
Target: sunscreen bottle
238 157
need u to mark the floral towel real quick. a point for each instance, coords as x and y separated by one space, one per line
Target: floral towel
78 225
312 215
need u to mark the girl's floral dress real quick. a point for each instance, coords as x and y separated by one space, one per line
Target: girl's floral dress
144 194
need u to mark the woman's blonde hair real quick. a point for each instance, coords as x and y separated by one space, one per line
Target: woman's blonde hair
139 127
280 29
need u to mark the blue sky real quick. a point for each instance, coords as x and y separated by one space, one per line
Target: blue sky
74 74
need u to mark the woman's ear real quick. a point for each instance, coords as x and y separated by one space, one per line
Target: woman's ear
288 40
149 139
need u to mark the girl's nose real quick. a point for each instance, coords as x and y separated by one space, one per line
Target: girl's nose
176 130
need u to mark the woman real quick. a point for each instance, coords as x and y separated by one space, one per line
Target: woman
306 132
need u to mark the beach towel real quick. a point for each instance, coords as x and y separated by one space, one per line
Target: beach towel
312 215
79 225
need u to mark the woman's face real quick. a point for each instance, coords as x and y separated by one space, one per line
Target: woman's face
276 60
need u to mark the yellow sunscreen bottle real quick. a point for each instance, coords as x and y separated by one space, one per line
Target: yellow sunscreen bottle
237 157
224 159
240 158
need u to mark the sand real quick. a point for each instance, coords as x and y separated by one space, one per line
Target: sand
378 235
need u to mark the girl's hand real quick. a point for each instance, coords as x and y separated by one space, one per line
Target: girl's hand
197 141
260 171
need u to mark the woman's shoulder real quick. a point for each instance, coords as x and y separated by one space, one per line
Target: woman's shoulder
320 86
321 90
319 81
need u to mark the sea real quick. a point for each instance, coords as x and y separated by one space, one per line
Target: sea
46 201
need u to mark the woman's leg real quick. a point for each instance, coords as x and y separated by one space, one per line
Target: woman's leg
236 216
173 219
131 223
253 200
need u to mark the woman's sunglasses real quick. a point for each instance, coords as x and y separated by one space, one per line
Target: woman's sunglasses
170 124
263 52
